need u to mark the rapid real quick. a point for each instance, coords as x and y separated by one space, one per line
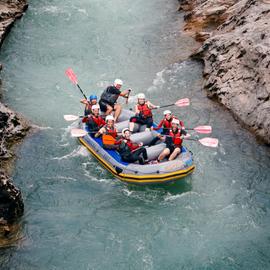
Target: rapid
77 215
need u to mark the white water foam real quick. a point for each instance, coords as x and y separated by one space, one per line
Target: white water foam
171 197
80 151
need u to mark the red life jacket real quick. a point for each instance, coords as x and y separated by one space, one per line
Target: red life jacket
132 146
111 131
167 124
176 137
99 121
145 111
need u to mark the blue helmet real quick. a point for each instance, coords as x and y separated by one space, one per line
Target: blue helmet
92 97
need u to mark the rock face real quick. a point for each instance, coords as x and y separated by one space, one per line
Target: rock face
12 129
236 56
10 10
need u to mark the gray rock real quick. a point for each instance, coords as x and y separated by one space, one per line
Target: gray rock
237 60
12 129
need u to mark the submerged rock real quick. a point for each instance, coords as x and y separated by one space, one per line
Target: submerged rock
237 57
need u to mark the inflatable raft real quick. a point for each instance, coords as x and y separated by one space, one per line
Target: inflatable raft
132 172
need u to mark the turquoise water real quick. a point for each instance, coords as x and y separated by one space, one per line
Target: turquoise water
77 215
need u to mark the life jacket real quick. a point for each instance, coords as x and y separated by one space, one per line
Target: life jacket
108 97
145 111
167 124
99 121
176 137
109 137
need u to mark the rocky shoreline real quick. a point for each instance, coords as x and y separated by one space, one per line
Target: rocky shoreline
236 56
12 129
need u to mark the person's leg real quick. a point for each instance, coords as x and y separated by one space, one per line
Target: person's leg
164 154
149 122
144 153
133 158
175 153
140 151
109 109
154 141
117 111
132 122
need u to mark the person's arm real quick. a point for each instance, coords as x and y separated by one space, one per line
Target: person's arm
125 93
182 124
84 101
183 132
152 106
159 125
101 131
137 110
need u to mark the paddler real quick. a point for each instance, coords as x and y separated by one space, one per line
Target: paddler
173 141
166 125
109 133
130 151
143 113
109 98
94 121
89 103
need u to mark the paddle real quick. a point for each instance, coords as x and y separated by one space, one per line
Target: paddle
129 90
210 142
70 117
76 132
179 103
202 129
71 75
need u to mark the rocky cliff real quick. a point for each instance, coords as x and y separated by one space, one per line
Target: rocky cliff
12 129
236 54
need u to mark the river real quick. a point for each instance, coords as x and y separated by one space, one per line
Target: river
77 216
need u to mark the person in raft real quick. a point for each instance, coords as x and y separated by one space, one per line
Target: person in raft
165 124
143 113
109 134
173 141
89 103
94 121
109 98
130 151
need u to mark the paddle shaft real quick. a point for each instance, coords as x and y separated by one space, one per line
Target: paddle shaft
81 91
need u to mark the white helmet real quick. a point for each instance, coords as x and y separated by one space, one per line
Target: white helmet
95 107
118 82
124 130
109 117
167 112
175 121
141 96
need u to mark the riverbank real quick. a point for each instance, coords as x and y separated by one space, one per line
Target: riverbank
12 129
236 56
